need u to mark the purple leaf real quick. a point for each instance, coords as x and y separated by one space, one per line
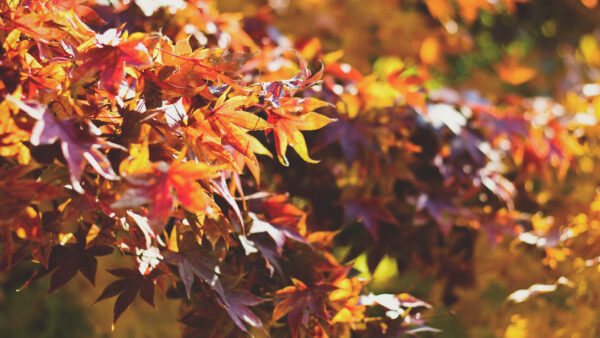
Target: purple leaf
220 186
350 135
187 275
370 212
236 302
259 226
196 263
267 249
76 144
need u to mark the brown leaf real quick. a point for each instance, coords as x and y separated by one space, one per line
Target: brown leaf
123 301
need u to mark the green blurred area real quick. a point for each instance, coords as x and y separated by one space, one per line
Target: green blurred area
29 313
71 312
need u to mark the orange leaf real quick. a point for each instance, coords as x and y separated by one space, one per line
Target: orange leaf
287 125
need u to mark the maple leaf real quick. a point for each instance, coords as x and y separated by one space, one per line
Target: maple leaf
345 299
214 227
294 115
236 302
76 144
260 226
188 72
168 186
208 313
271 245
198 263
350 134
182 176
227 111
66 260
370 212
109 56
287 217
267 249
298 300
204 265
220 186
50 77
444 209
128 287
39 26
86 13
17 193
233 123
221 139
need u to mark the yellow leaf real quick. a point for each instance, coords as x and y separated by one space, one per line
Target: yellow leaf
344 316
138 160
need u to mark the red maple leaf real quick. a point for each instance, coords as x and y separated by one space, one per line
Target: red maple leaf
109 56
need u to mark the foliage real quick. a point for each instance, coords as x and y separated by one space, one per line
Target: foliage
146 133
